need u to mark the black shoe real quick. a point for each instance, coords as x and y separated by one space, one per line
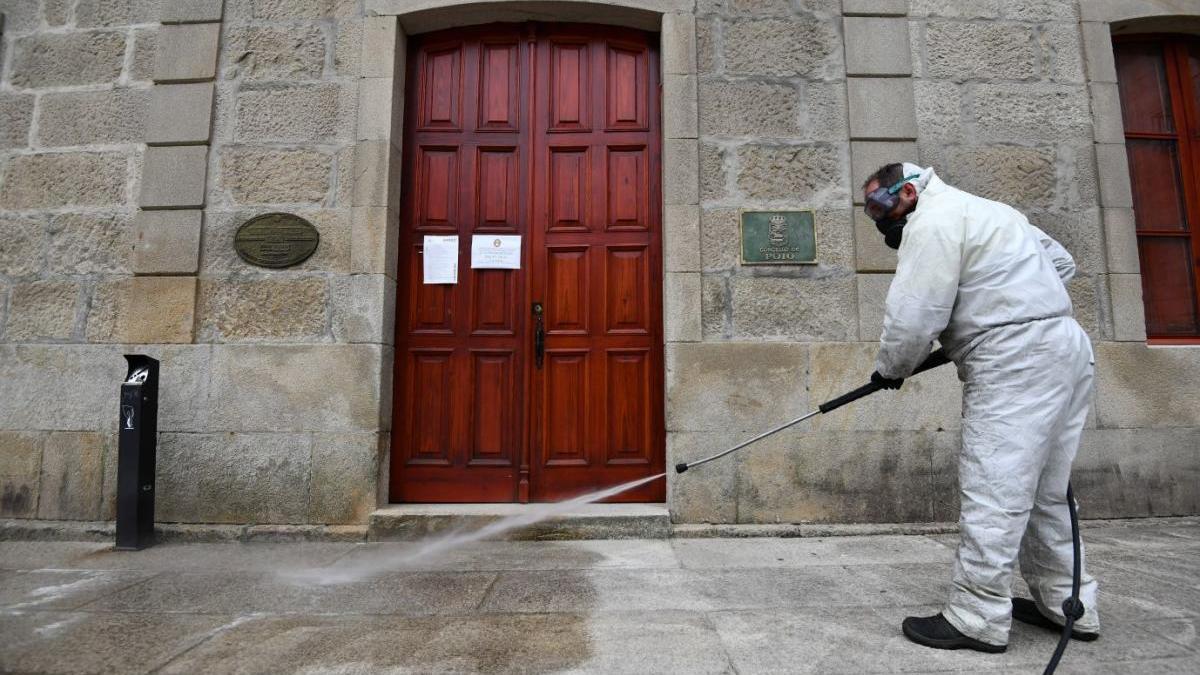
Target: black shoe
1026 611
935 631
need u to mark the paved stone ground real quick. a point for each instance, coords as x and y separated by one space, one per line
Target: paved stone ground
829 605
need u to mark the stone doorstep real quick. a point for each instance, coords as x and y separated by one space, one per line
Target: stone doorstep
405 522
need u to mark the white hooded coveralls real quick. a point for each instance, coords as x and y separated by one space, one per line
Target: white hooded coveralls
976 275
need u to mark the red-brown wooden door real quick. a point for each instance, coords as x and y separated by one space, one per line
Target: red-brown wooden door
1159 84
549 131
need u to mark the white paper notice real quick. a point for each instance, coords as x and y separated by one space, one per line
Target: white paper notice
441 259
496 251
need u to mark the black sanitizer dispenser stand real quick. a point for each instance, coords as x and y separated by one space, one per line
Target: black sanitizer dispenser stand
138 439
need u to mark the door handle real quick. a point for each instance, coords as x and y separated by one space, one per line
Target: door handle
539 334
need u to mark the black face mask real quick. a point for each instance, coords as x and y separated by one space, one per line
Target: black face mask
892 230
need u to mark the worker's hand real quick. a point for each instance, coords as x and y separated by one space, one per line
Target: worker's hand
886 383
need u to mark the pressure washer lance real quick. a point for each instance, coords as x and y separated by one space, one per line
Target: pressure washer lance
1072 606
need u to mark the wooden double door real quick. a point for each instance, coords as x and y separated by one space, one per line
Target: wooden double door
543 382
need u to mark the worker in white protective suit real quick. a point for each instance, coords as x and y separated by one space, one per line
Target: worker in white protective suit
975 275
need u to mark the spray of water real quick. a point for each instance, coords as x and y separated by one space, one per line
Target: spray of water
365 566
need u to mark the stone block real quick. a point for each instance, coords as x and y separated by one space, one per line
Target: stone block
824 111
77 382
1098 52
931 401
372 243
1019 176
1130 473
270 175
720 240
707 496
752 46
91 13
167 242
219 258
874 7
345 473
681 238
835 240
154 310
713 176
16 115
53 180
187 52
24 247
846 477
1113 165
679 43
72 476
348 47
20 16
1063 52
180 113
681 171
1042 10
303 9
84 243
681 307
707 47
746 108
872 297
736 386
715 307
174 176
279 308
871 254
374 162
1128 310
66 59
811 173
1120 241
680 106
960 51
145 48
1139 386
1079 231
233 478
793 308
868 156
325 388
877 46
258 53
881 108
20 470
380 47
378 101
939 111
292 113
191 11
1106 113
1009 112
1085 304
87 118
42 310
364 308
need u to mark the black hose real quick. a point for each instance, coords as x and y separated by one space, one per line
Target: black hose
1072 607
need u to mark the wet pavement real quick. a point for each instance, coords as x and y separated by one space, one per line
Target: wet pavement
828 605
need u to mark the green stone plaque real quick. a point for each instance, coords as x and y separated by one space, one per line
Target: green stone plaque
778 238
276 240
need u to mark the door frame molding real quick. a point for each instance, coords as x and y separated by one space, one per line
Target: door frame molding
380 134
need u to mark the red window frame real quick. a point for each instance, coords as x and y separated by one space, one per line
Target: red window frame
1186 136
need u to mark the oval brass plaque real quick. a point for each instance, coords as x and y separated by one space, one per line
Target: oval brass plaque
276 240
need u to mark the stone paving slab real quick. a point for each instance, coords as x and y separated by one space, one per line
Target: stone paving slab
829 605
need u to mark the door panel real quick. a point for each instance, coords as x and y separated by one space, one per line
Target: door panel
548 131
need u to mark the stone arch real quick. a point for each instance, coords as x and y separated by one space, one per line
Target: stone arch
1100 20
377 155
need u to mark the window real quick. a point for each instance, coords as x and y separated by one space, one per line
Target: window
1159 81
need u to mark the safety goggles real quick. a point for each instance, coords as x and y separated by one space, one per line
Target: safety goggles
881 200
